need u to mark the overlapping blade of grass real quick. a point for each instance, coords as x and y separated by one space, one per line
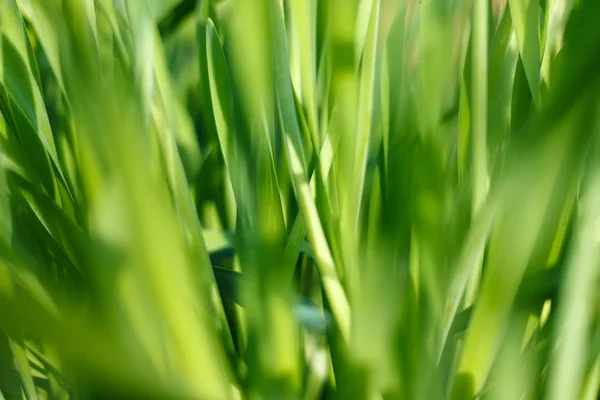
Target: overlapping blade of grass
82 347
15 375
169 117
364 118
93 146
210 199
251 146
21 361
341 53
10 384
526 19
542 174
375 276
47 231
469 260
20 79
294 150
420 185
61 232
180 125
27 305
221 99
558 14
170 123
566 125
43 15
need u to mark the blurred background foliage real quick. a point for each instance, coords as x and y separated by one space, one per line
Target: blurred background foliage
299 199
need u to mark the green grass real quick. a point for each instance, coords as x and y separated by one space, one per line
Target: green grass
299 199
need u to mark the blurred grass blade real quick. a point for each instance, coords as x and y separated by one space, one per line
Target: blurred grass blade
574 311
479 97
470 258
558 151
479 120
143 47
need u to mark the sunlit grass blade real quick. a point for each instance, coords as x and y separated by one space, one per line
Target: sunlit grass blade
222 102
365 114
304 23
327 270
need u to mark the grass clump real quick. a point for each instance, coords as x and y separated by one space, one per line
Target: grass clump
303 199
